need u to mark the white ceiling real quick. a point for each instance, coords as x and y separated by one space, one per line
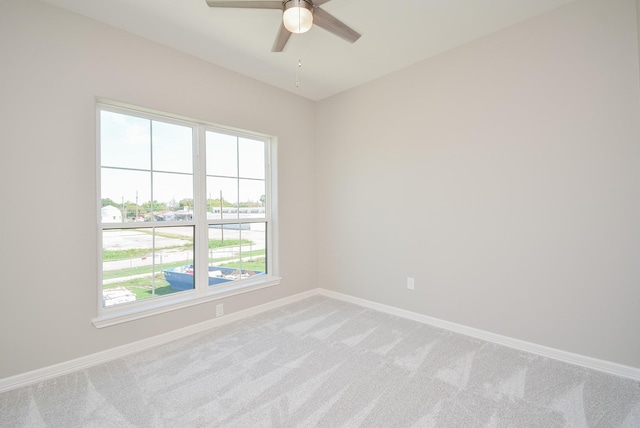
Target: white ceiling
395 34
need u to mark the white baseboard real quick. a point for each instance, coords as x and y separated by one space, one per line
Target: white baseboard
81 363
567 357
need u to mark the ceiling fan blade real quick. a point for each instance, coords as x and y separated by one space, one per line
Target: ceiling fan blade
320 2
281 39
246 4
333 25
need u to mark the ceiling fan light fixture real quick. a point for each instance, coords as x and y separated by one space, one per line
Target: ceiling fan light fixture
298 16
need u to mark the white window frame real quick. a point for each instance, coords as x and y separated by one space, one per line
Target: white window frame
202 292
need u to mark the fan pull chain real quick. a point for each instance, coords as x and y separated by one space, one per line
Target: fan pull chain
299 67
298 73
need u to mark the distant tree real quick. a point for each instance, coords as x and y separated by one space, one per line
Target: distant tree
215 203
157 206
263 200
248 204
108 201
131 210
186 203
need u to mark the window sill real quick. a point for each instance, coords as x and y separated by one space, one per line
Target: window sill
134 311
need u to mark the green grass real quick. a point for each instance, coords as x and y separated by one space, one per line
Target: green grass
140 270
256 265
167 235
131 253
143 287
244 254
135 253
217 243
213 243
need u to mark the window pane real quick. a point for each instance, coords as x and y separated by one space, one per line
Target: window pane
236 251
142 263
222 191
222 154
128 191
172 147
252 193
125 141
254 258
174 196
251 158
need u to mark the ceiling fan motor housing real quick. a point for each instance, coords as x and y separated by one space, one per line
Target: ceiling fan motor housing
297 15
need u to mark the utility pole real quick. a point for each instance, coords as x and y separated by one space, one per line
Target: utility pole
221 218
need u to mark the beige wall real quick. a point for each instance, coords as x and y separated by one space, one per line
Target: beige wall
52 66
504 176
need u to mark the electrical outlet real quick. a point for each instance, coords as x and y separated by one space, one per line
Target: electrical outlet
219 310
411 283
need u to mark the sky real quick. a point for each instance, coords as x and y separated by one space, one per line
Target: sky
140 156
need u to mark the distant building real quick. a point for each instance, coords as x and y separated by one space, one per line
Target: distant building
181 215
111 214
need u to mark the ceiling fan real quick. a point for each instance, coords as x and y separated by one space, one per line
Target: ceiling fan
297 17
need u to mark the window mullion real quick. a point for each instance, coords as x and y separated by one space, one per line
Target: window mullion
200 211
152 204
271 225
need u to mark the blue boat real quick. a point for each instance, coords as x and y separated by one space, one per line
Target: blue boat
181 277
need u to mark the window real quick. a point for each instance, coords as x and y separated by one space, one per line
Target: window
184 212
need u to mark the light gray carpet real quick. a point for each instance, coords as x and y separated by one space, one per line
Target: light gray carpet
325 363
